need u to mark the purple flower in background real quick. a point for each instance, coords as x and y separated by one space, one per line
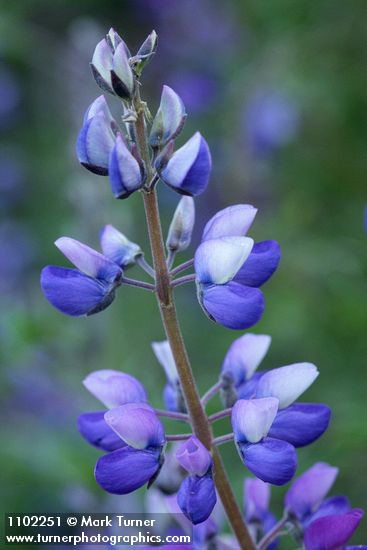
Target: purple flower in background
12 176
324 523
230 267
332 532
256 504
270 459
198 90
83 291
172 393
112 388
124 470
271 120
10 97
196 496
17 249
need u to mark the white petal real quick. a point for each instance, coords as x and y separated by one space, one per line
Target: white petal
287 383
217 261
252 418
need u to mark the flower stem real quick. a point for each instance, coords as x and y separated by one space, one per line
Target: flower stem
211 393
219 415
178 437
272 534
198 418
182 267
138 284
141 261
183 280
223 439
182 417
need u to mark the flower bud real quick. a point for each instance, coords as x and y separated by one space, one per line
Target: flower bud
180 231
169 119
188 170
197 498
194 457
124 170
96 138
118 248
110 66
145 52
122 78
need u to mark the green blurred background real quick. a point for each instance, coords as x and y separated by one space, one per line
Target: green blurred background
279 91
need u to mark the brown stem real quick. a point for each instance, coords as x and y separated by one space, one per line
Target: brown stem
198 417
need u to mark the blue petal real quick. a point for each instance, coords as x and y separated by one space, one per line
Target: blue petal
271 460
197 498
332 532
74 293
232 305
260 265
94 429
233 221
169 119
124 171
188 170
331 506
125 470
94 144
173 398
89 261
301 423
248 389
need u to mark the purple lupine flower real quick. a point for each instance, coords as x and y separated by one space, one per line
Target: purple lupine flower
240 363
332 532
126 469
112 388
97 137
305 501
297 423
125 172
256 503
83 291
230 268
182 225
196 496
272 460
188 169
271 121
169 120
172 393
110 66
194 457
324 523
119 248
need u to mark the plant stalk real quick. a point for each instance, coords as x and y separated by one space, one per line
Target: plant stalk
198 417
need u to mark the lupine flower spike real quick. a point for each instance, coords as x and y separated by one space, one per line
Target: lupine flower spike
137 152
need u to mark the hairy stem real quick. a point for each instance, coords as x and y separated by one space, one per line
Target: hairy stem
198 418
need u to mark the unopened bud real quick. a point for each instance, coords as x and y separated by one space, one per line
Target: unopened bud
145 52
180 231
169 120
